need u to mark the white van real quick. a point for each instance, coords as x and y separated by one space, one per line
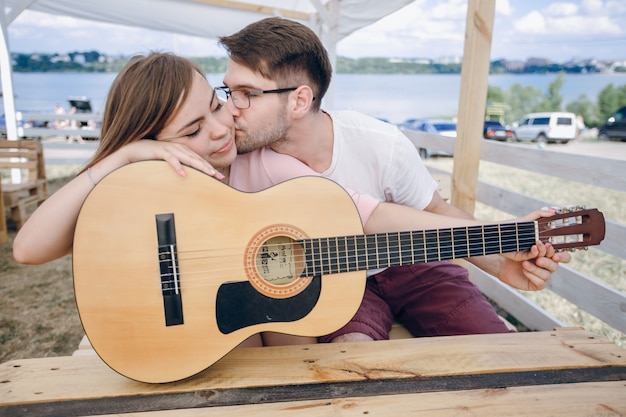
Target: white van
547 127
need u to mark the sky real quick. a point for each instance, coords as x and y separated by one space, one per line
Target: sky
557 30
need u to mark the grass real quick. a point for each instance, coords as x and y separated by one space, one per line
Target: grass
38 316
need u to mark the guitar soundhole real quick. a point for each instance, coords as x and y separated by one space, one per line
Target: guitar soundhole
274 262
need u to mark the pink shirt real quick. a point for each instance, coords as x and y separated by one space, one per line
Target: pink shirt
260 169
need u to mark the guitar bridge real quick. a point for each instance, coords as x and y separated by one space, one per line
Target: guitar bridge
168 266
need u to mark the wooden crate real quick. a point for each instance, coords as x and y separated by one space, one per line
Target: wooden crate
22 159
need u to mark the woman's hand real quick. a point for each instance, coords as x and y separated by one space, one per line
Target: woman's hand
175 154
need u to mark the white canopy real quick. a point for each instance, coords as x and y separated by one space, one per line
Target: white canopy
332 20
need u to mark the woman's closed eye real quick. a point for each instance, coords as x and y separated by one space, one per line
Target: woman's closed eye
195 132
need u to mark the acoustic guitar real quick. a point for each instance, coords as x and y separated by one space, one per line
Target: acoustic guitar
171 272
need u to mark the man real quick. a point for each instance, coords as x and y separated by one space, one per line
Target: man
277 75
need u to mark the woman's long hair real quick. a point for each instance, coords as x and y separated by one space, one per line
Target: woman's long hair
143 98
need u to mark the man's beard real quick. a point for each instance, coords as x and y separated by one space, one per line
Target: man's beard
267 135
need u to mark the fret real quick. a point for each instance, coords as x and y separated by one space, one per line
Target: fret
370 248
333 261
438 247
341 258
475 240
315 260
361 252
492 239
528 234
322 256
348 254
376 250
412 248
425 254
353 253
382 250
482 229
509 241
451 244
446 245
460 243
405 246
431 240
394 249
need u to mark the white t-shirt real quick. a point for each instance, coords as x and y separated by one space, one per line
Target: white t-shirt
375 158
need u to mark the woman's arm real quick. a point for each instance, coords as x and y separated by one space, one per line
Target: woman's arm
48 233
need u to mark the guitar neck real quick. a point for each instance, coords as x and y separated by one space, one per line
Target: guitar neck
331 255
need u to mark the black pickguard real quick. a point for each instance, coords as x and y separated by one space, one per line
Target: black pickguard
240 305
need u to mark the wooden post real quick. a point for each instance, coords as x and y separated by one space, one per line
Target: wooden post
3 219
472 101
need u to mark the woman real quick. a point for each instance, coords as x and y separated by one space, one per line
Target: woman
161 97
167 99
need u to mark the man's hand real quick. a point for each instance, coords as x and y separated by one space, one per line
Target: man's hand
531 270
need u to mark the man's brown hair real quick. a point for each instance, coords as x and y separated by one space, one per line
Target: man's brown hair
284 51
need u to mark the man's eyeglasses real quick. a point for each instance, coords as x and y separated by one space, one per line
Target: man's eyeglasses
241 98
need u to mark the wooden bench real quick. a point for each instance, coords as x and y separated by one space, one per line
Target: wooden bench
24 181
566 372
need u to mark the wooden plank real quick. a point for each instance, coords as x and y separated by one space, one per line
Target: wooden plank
472 100
603 172
36 132
565 400
3 221
83 385
256 8
594 297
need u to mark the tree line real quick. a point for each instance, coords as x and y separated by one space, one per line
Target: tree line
518 100
514 102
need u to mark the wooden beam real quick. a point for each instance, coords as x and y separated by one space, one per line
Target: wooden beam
489 365
256 8
3 220
472 100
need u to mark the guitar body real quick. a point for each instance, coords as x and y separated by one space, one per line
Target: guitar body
119 282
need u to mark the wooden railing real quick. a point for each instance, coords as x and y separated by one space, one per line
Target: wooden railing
90 125
601 301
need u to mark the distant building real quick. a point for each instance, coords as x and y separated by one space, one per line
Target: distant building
537 62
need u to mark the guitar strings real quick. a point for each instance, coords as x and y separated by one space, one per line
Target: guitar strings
193 266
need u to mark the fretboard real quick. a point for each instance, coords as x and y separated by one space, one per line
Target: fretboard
331 255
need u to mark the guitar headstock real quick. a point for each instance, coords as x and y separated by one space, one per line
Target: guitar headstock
572 228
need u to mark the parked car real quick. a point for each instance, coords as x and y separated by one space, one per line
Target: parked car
493 129
547 127
614 127
434 126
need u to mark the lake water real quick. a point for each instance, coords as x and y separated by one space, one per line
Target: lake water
395 96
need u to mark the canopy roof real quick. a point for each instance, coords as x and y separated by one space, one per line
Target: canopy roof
332 20
213 18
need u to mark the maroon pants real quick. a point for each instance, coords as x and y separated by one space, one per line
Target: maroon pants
431 299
